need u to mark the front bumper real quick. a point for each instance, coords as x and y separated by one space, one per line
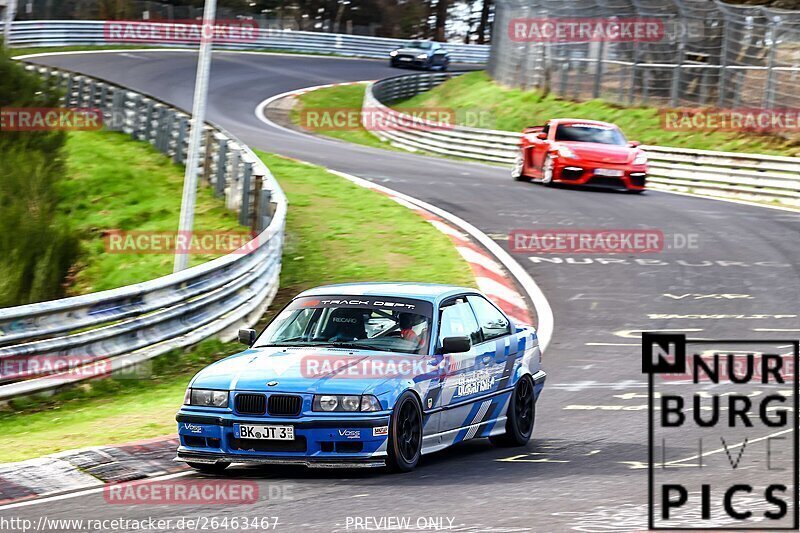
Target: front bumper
401 61
320 441
577 172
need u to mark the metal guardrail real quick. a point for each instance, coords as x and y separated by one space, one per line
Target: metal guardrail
746 176
82 32
119 328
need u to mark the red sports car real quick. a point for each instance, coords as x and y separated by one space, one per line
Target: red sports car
580 152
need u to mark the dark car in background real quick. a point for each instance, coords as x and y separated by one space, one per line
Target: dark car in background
427 55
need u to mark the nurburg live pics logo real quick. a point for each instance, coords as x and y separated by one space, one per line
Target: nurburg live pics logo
722 433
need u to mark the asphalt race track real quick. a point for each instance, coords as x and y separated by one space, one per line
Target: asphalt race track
737 278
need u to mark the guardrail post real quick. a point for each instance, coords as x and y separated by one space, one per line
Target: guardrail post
222 165
117 110
208 159
244 207
233 181
180 140
264 210
255 214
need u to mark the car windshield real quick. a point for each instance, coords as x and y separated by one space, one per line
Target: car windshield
425 45
359 322
590 133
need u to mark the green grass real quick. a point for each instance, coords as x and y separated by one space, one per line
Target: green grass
515 109
78 48
115 182
345 97
336 232
342 97
339 232
479 102
81 48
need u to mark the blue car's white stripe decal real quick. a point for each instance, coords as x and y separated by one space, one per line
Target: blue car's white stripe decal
478 418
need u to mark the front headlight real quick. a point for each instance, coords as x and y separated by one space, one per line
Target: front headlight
422 56
206 398
565 151
393 53
345 403
640 159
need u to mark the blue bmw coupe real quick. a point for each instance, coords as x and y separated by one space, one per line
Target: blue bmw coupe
365 375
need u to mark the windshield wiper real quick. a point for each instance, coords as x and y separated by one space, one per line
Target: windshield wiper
288 343
359 346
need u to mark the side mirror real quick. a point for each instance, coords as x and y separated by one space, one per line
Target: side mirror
456 345
247 336
634 144
541 135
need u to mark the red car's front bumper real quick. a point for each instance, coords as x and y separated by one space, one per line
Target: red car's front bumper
578 172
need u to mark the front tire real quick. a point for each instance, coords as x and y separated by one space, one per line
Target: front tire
548 170
518 168
520 416
216 468
405 434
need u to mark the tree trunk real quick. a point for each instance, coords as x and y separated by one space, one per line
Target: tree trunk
484 23
441 19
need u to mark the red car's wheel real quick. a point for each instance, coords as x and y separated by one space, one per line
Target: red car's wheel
548 169
518 170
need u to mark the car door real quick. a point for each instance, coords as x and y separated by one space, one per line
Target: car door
456 319
495 357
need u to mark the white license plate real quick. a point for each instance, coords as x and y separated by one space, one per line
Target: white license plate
264 432
609 172
405 59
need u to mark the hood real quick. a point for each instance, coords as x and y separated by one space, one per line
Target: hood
304 370
414 51
602 153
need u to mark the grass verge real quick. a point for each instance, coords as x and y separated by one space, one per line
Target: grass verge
336 232
480 102
115 182
84 48
347 97
515 109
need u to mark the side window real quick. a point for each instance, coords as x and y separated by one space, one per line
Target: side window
458 320
491 321
546 128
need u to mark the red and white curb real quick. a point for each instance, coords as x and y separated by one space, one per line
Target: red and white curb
87 468
490 276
